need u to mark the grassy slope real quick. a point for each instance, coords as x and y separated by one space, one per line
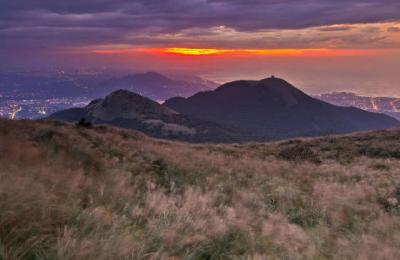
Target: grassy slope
107 193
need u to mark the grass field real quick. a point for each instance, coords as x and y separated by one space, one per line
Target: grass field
68 192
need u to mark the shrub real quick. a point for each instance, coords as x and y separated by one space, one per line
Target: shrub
43 135
83 122
380 167
299 153
391 201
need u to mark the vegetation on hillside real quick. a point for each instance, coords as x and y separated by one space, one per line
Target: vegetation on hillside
71 192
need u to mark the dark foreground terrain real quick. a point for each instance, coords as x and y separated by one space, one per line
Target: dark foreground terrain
69 192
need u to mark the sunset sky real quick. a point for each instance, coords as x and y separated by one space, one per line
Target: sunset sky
320 46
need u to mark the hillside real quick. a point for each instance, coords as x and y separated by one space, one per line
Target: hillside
129 110
273 109
70 192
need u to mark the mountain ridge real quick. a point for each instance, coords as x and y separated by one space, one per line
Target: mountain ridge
126 109
238 111
274 108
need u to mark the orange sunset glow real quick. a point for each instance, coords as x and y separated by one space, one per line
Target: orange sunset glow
322 45
233 52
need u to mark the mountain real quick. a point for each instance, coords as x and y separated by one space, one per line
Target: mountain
272 108
129 110
386 105
156 86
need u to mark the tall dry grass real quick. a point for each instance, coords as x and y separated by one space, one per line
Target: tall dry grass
105 193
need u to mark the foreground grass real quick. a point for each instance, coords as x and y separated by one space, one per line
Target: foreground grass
106 193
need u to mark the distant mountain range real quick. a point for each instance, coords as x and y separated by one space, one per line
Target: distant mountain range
268 109
386 105
157 86
60 85
33 85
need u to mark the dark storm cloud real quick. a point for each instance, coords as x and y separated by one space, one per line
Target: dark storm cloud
79 22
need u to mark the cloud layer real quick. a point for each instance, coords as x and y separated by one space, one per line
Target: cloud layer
49 23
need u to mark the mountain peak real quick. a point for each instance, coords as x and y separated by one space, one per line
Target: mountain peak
284 89
274 79
122 93
271 82
126 98
126 104
270 90
153 73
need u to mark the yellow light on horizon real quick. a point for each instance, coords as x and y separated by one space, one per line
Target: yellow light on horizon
199 52
235 52
194 51
266 52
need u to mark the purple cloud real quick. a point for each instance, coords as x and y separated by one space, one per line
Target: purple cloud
77 22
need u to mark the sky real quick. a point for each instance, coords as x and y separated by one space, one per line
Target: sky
318 45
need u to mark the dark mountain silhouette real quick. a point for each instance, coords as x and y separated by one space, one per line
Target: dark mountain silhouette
272 109
238 111
129 110
156 86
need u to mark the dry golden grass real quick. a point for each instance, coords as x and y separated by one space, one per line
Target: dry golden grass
68 192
